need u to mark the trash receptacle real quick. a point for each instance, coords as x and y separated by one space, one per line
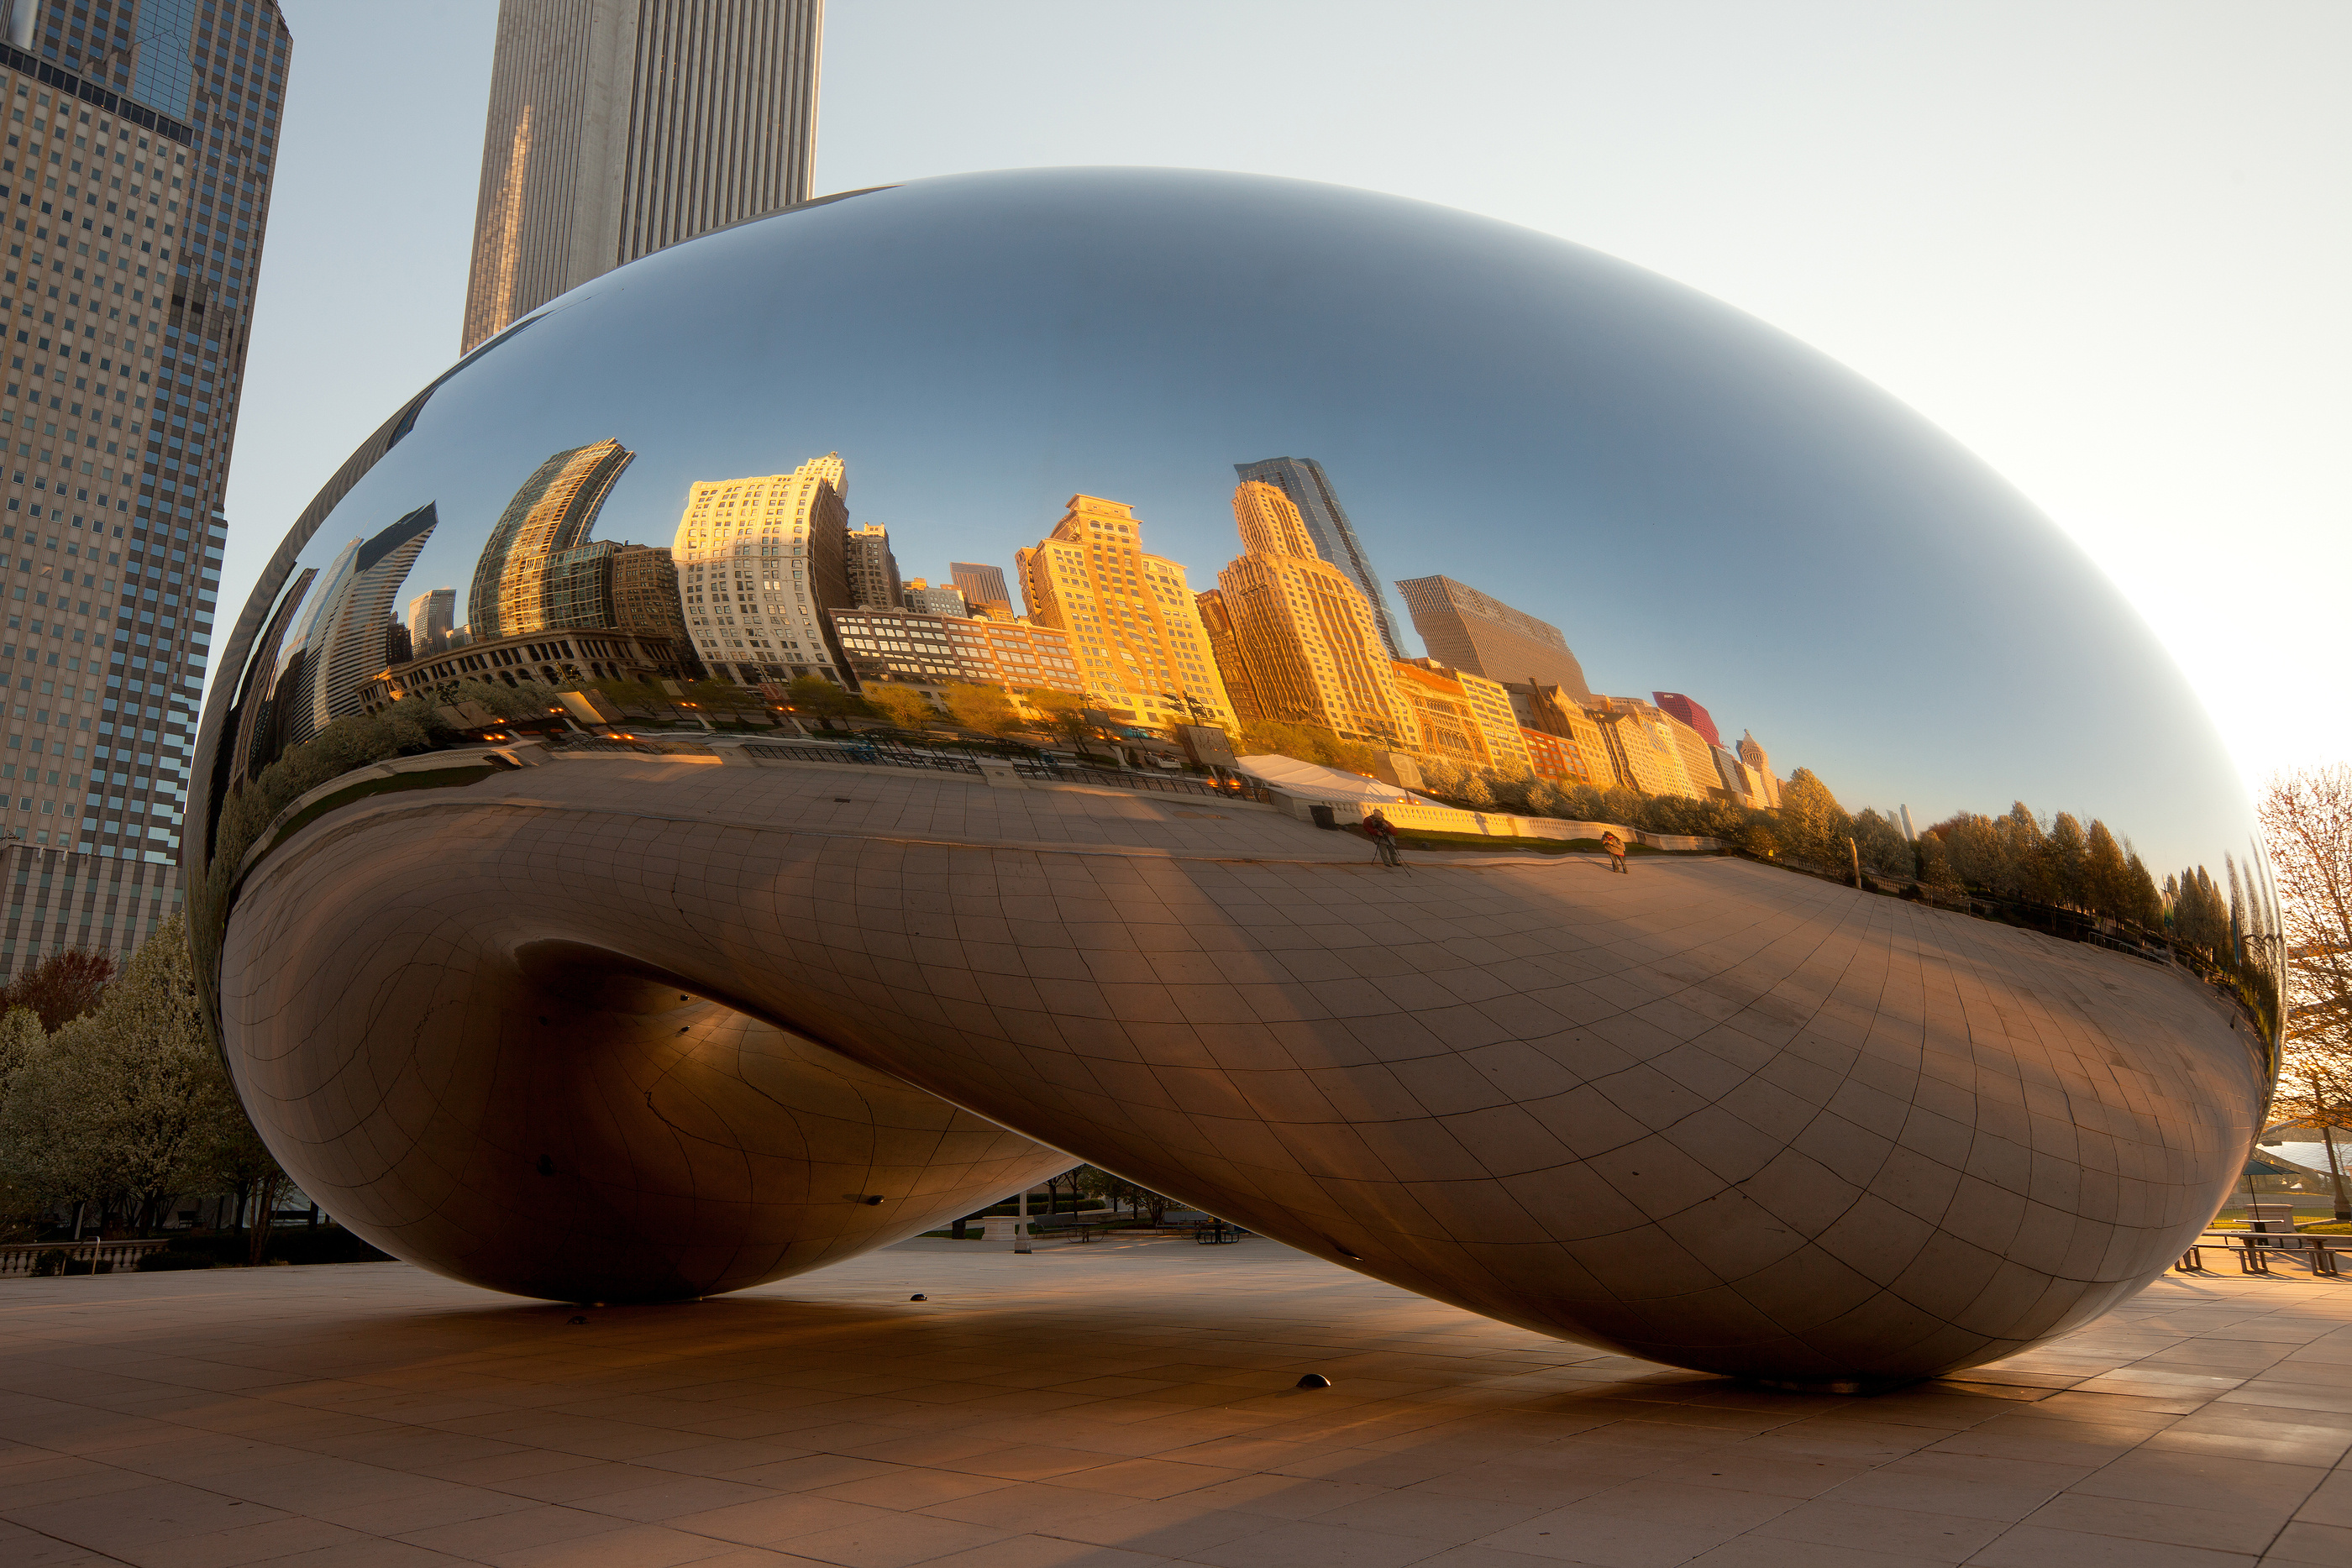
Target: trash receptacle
1323 816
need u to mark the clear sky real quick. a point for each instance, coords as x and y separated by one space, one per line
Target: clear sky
2103 245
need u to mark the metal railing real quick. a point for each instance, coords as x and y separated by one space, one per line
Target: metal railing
1038 768
1162 783
80 1257
865 756
644 748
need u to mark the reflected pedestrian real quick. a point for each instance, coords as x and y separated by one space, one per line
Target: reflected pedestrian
1616 848
1382 833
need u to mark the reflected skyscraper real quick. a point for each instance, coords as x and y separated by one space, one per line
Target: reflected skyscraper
1309 489
617 127
982 587
873 570
552 514
341 643
925 600
1132 622
1760 764
431 617
1690 713
1307 642
759 562
1479 632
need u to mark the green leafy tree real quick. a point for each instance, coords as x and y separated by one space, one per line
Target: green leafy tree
1882 846
1936 867
118 1106
1814 827
902 705
984 708
813 696
2066 853
1068 718
2106 875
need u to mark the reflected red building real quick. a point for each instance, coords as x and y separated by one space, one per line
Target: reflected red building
1689 712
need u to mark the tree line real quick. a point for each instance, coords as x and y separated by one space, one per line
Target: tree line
113 1103
2061 862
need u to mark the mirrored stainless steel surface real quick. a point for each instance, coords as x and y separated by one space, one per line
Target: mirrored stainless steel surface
549 951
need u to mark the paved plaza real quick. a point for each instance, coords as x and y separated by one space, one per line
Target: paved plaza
1118 1405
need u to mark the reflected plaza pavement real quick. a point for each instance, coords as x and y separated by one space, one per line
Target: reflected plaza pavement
1119 1403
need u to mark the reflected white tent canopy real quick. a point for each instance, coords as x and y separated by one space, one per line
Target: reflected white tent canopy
1313 781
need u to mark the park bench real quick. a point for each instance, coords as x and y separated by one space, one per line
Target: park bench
2256 1250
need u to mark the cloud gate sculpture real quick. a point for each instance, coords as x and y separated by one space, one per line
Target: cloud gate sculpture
566 934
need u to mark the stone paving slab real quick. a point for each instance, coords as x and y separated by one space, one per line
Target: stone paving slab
1115 1405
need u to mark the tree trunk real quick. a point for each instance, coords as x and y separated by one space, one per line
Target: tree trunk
2327 1136
265 1206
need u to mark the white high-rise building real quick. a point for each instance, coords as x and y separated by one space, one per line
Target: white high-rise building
617 127
759 561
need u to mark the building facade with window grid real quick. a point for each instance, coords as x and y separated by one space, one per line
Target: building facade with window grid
1131 620
759 562
619 128
931 650
135 180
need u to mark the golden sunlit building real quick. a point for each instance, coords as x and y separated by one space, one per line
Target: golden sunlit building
1697 757
550 516
1130 618
759 561
1554 711
1225 652
1463 717
1768 785
1642 750
1555 759
1304 636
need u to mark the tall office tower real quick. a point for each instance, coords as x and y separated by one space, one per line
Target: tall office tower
119 487
338 645
873 570
552 514
1304 632
1133 623
1479 632
921 598
1689 712
645 593
759 562
1226 654
431 616
617 127
982 587
1753 755
1309 489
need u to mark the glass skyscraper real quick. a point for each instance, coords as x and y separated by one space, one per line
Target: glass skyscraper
153 125
1309 489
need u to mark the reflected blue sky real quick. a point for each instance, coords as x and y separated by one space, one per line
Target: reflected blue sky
1701 504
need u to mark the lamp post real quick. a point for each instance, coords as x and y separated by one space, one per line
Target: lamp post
1021 1226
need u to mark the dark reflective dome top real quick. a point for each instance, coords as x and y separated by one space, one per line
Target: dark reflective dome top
1195 447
